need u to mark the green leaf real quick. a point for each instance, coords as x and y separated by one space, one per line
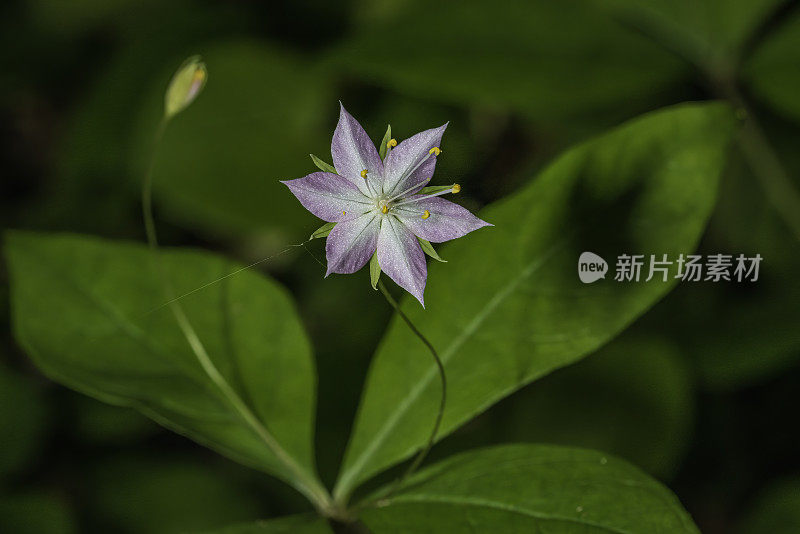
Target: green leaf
296 524
374 271
322 165
428 249
530 488
776 510
772 69
516 295
554 68
386 137
323 230
710 33
87 312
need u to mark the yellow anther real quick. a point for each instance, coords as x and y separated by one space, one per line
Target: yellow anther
384 209
435 151
456 188
344 212
426 214
391 143
199 76
364 173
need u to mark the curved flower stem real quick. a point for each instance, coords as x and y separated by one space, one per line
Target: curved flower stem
304 482
431 440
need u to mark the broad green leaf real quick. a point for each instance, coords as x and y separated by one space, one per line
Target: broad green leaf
87 312
776 510
36 513
709 33
467 52
530 488
23 418
322 165
632 398
772 69
515 309
171 495
296 524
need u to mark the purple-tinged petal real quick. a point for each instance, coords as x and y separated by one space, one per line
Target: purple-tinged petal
351 244
352 151
400 173
401 257
446 221
329 196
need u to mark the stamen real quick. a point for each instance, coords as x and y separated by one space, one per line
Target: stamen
426 214
454 189
391 143
364 174
434 151
385 209
344 212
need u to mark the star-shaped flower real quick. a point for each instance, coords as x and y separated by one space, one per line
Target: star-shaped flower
377 205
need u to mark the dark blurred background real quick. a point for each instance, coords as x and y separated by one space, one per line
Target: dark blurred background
701 392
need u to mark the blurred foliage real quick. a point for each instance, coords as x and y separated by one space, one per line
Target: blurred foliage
633 398
23 420
167 496
101 423
300 524
80 95
212 171
709 33
468 52
36 513
776 510
772 71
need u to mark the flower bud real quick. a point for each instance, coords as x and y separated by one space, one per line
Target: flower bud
185 85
